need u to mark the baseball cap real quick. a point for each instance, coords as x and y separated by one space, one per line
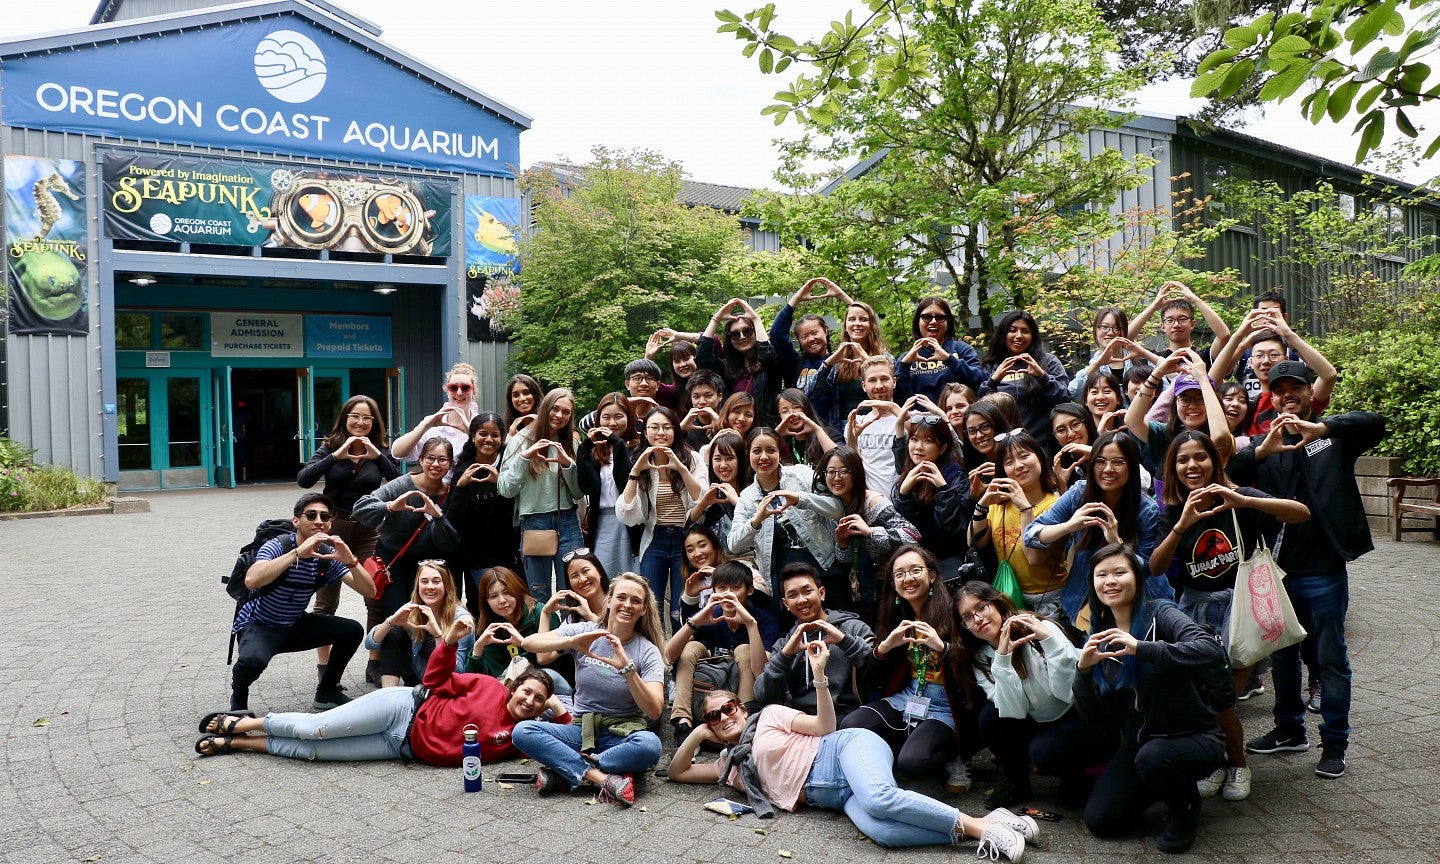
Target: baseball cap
1183 383
1291 369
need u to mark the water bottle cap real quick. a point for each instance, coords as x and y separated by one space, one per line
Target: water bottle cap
472 734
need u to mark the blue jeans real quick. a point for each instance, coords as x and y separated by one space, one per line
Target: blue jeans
661 567
611 542
1320 603
370 727
541 573
852 773
558 747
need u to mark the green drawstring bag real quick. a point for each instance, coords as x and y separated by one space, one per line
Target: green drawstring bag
1006 583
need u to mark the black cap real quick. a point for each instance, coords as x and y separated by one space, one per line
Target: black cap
1291 369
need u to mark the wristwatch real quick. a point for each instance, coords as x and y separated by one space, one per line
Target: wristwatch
627 668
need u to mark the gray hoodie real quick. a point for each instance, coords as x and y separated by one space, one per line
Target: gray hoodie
786 680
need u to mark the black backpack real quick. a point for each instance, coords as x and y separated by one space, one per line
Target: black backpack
235 582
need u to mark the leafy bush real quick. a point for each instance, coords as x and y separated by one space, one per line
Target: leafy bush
1395 373
25 486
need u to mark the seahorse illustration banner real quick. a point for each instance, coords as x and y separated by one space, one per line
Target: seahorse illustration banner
178 200
46 246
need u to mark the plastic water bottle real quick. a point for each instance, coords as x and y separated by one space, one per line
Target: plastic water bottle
470 764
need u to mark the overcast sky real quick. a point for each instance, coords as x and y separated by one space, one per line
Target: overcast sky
636 73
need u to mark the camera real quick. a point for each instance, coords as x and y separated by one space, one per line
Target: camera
970 571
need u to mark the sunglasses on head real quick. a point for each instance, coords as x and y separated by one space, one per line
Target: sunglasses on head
713 716
925 418
582 552
459 388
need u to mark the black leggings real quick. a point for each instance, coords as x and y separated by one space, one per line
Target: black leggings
919 752
1161 769
1061 748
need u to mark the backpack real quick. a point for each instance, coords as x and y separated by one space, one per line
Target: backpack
264 533
713 673
235 582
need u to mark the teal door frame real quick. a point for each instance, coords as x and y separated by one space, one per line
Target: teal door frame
157 384
224 414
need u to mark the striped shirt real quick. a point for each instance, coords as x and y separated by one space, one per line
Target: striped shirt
283 606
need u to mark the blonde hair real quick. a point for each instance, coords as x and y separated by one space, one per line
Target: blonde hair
463 369
449 606
649 623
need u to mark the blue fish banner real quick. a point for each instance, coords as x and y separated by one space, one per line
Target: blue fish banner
491 225
46 246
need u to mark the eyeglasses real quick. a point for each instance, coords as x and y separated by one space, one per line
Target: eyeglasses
1267 355
582 552
642 378
912 573
933 316
1106 328
459 388
360 418
317 515
434 460
742 333
837 472
1070 428
925 418
666 428
980 609
1102 464
1178 319
981 429
713 716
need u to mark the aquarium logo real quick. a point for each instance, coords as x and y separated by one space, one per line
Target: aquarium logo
290 66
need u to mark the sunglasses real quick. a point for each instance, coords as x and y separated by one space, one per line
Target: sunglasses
459 388
742 333
932 316
713 716
317 515
925 418
582 552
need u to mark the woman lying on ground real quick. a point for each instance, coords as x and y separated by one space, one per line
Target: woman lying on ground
798 758
424 723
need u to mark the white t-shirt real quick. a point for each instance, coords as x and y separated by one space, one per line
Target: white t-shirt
876 443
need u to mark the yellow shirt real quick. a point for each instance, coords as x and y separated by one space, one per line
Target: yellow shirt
1005 533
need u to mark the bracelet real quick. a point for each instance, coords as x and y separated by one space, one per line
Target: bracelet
627 668
818 683
1027 509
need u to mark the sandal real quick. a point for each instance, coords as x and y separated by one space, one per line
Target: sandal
217 744
227 721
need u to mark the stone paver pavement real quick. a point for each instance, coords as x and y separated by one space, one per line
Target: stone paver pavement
115 634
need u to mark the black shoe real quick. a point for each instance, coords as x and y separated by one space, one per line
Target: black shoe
1332 763
1278 740
320 671
372 673
1179 834
1254 687
683 728
326 699
1006 794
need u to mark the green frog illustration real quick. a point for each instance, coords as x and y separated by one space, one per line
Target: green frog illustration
50 284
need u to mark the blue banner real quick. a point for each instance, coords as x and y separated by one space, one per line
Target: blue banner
358 337
278 85
490 228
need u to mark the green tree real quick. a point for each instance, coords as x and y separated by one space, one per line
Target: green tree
1360 56
615 257
972 115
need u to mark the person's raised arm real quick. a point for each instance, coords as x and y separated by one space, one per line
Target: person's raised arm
1325 374
1212 318
823 721
1137 324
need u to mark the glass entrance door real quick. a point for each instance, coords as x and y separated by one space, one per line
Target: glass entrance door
224 431
163 437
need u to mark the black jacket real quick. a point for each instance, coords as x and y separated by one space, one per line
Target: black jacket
765 383
347 481
1165 701
588 474
1329 467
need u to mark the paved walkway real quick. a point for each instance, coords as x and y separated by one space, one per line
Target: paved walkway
114 643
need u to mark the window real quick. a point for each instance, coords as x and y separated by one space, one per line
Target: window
132 330
1346 204
1391 221
1221 178
181 332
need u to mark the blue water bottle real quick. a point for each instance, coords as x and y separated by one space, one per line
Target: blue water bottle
470 764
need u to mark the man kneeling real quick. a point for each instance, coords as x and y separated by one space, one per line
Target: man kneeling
727 630
274 621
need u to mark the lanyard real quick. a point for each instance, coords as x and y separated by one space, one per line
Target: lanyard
920 660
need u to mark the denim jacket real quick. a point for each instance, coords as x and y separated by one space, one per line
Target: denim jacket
812 520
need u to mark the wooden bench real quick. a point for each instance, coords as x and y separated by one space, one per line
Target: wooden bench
1402 507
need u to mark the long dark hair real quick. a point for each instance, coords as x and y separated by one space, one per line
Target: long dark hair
339 434
679 448
1127 513
997 350
986 593
1175 491
600 451
848 458
921 306
811 452
728 440
1102 617
1079 412
1024 441
530 383
938 612
990 413
737 361
468 453
924 490
812 318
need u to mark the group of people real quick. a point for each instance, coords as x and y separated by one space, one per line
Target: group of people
838 565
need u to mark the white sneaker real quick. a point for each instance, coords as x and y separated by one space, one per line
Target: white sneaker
957 776
1211 785
999 840
1025 826
1237 784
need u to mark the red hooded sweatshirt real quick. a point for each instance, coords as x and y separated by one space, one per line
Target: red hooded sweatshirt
457 700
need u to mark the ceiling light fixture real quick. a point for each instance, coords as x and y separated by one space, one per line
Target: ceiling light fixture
143 279
384 289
